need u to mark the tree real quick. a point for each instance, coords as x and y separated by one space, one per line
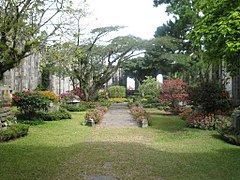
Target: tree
173 92
163 56
218 31
98 62
91 63
24 26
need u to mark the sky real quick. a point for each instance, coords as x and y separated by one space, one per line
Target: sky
140 17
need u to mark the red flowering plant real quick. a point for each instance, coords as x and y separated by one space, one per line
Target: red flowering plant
29 103
79 92
173 92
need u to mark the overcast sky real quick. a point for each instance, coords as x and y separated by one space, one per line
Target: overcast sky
140 17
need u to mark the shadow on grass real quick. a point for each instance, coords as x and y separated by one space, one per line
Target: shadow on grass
118 160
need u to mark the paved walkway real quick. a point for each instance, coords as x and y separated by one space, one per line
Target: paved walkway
118 115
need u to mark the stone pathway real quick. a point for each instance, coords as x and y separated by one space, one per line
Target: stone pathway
118 115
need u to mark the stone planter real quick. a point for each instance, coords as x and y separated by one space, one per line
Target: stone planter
143 123
236 119
73 102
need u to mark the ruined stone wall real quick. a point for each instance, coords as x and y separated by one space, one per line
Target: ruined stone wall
25 75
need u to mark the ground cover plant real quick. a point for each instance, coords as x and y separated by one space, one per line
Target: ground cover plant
165 150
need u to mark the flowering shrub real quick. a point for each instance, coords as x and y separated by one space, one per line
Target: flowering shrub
173 92
211 96
96 114
79 93
30 102
68 96
139 113
50 95
207 122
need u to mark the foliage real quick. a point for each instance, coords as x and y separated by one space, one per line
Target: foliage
207 122
91 63
29 103
68 96
230 135
149 87
139 114
23 29
43 116
50 95
117 92
102 95
96 114
218 31
211 96
14 131
73 108
174 92
79 93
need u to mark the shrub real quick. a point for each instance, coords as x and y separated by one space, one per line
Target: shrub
79 93
230 135
50 95
68 96
173 92
96 114
211 96
117 92
44 116
29 103
149 87
102 95
73 108
14 131
207 122
139 113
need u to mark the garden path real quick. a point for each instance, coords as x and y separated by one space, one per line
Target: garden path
118 115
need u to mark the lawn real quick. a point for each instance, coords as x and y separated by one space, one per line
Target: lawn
166 150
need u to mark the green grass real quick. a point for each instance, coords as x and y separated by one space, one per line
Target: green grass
166 150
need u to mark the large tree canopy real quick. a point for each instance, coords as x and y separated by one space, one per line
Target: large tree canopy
218 31
23 28
92 63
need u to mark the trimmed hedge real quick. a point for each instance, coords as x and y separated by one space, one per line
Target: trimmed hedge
14 131
47 116
72 108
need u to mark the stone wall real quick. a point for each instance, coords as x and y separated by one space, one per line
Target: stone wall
25 75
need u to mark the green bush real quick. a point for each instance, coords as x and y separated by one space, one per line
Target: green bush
29 103
14 131
96 114
117 92
45 116
73 108
149 87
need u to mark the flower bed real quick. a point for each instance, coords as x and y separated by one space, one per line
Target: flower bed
96 115
140 115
